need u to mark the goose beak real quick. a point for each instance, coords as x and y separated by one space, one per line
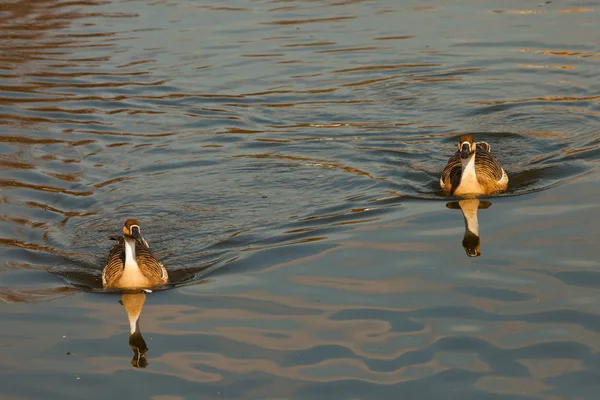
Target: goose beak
465 150
135 232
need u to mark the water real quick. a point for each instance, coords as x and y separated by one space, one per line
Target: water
283 160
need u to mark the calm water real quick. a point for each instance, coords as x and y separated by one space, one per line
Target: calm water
283 159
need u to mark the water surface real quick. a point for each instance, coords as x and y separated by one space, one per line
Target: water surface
283 160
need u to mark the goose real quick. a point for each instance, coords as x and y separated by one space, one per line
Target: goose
131 264
473 170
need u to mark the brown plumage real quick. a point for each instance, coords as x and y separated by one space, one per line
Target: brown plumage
143 272
473 170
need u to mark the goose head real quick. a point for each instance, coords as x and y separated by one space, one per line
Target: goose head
131 228
466 146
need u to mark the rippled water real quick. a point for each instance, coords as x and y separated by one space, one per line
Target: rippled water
283 159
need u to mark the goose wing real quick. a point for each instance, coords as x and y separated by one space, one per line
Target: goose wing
115 261
452 172
487 168
149 264
484 146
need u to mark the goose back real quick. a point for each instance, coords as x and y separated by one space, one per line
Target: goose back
452 174
487 168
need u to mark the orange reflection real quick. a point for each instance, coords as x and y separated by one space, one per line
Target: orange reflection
576 10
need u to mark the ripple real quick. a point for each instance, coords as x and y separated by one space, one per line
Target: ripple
308 21
284 160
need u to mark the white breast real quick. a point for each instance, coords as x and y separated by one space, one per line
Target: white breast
132 276
468 179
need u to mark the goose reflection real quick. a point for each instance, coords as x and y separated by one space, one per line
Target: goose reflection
133 303
471 241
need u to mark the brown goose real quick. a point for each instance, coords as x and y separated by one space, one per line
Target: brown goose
473 170
131 264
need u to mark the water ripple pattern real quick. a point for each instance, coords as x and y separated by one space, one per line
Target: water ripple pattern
283 158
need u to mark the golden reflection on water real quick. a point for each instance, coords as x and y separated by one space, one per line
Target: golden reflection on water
321 330
576 10
10 295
